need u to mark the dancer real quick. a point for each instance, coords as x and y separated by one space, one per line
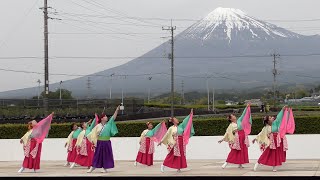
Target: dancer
269 140
32 143
84 146
100 137
147 139
71 142
237 137
176 139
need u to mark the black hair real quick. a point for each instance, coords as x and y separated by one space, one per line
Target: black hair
72 126
170 123
265 120
229 118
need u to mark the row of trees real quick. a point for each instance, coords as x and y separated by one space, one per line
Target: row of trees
65 94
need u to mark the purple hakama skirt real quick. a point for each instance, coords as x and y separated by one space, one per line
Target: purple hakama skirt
103 156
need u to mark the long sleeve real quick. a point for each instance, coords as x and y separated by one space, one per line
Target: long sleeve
229 136
143 134
239 120
80 138
165 139
276 123
151 132
91 125
93 135
113 126
69 138
26 136
262 137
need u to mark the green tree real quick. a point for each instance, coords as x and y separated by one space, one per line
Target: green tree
301 93
65 94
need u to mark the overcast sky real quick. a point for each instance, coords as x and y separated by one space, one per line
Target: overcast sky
97 27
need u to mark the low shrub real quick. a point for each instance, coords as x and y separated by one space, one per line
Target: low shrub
203 127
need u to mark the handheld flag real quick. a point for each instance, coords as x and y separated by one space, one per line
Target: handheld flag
189 130
291 124
283 125
245 120
157 132
41 130
276 123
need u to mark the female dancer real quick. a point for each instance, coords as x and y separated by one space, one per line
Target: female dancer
71 142
100 137
238 140
269 141
147 139
32 143
84 146
176 139
237 137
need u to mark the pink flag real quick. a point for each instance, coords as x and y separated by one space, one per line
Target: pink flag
283 125
188 130
40 131
158 135
247 121
291 126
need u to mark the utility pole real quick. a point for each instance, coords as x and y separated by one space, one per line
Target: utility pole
171 57
182 92
60 97
39 82
88 87
149 90
122 100
212 99
110 93
208 93
46 58
275 73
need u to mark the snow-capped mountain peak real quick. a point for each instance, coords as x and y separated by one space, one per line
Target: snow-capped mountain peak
230 23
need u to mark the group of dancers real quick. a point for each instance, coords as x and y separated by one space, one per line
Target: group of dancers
89 145
272 140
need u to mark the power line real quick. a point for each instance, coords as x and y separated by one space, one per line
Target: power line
158 57
136 75
188 19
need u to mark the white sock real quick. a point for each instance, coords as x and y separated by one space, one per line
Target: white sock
224 165
256 166
162 168
21 170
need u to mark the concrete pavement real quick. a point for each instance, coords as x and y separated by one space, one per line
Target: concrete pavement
195 168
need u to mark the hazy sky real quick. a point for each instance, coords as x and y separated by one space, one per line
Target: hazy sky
97 27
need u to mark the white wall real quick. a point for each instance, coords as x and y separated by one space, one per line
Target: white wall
199 147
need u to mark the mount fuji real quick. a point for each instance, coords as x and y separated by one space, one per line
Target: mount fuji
228 46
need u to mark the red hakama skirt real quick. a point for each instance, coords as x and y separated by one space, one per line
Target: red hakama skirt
272 157
239 156
284 153
72 154
33 163
85 160
176 162
145 158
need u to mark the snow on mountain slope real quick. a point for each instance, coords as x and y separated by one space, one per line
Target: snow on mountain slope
229 23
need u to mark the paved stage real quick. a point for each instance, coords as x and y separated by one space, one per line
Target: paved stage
196 168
